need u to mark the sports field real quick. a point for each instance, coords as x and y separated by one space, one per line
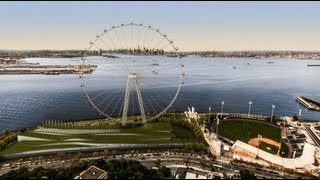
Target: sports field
247 131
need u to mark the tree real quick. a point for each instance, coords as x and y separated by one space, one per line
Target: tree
186 161
106 152
95 154
60 155
295 117
158 163
246 174
6 132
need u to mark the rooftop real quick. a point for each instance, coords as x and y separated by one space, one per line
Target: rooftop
92 172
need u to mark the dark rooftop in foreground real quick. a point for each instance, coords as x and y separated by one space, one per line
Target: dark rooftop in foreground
93 172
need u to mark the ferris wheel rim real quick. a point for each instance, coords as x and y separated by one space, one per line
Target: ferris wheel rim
175 51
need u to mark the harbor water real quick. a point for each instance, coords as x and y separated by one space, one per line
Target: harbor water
29 100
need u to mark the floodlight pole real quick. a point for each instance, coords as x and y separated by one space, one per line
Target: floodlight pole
273 107
209 115
250 102
222 103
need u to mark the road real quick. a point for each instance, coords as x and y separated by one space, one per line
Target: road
167 159
312 135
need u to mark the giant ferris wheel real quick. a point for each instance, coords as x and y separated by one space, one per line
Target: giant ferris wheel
139 72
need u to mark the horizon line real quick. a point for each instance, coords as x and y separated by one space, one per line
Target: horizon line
178 50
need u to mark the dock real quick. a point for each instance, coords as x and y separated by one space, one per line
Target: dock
308 103
46 69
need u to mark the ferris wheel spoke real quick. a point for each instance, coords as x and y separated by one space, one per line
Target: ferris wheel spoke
153 97
151 40
98 48
121 109
125 39
118 38
100 103
116 94
166 45
123 67
132 37
156 46
104 42
145 37
111 41
148 98
157 102
138 38
164 100
103 92
121 95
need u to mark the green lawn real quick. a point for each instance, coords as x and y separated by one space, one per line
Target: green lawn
264 146
149 133
284 150
182 132
245 130
33 145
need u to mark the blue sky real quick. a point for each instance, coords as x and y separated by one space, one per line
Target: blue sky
192 25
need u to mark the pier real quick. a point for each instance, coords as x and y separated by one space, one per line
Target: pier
308 103
46 69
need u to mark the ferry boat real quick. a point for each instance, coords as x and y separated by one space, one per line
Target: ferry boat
308 103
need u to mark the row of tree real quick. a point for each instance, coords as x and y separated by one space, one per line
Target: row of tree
186 124
8 140
198 146
117 169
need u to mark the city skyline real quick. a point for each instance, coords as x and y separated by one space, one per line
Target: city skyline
193 26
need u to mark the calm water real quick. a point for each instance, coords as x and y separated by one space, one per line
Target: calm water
28 100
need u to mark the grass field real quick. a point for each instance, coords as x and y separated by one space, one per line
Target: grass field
284 150
149 133
245 130
264 146
181 132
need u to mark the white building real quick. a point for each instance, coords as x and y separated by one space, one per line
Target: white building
306 159
190 175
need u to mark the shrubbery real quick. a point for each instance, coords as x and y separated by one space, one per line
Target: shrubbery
117 169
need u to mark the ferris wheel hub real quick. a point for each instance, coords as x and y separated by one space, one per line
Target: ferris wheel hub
133 75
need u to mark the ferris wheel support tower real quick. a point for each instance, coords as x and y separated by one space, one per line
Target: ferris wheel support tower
133 77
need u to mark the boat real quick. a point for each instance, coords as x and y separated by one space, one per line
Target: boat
270 62
308 103
313 65
234 67
51 73
110 56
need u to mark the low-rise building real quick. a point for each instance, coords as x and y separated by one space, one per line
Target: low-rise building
93 172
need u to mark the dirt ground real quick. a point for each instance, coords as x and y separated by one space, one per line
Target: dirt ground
255 142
